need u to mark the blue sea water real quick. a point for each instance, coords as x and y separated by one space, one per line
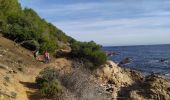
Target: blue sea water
146 59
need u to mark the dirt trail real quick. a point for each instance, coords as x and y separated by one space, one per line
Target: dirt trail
24 70
28 79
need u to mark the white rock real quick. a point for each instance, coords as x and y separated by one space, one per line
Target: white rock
111 63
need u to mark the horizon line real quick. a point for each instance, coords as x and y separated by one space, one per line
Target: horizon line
133 45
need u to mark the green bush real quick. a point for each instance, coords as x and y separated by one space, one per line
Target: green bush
89 51
52 88
49 85
49 45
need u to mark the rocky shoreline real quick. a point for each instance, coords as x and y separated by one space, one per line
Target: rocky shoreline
126 84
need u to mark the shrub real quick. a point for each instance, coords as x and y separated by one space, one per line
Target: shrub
49 45
13 94
52 88
31 45
89 51
49 85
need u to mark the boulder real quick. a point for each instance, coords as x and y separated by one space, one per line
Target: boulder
125 61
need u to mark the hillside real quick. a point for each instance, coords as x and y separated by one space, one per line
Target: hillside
18 70
17 67
23 24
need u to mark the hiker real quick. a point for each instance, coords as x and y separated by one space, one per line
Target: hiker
36 53
46 56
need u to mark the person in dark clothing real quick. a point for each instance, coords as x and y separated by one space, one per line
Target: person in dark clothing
36 53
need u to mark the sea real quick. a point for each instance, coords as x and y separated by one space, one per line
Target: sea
145 58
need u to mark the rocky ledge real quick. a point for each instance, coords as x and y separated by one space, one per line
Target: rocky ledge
126 84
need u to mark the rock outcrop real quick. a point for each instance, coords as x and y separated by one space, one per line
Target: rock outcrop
125 61
124 83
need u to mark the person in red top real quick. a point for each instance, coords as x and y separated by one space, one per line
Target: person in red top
46 56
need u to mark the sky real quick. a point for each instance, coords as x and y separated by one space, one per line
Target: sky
108 22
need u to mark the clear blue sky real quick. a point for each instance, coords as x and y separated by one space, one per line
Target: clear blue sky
108 22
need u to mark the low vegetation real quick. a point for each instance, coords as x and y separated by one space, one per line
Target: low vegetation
90 52
49 85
